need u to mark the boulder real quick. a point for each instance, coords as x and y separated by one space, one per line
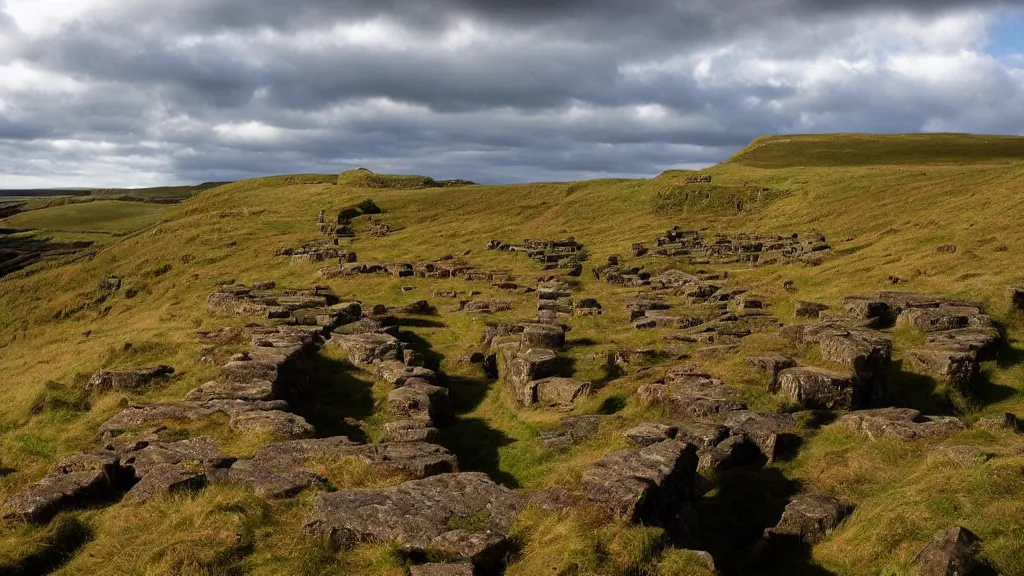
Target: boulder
808 519
772 365
463 515
701 433
420 399
61 491
365 349
127 380
951 552
868 309
282 425
521 367
984 341
900 423
651 485
1004 421
734 452
571 431
544 336
688 392
804 309
944 318
398 373
648 433
958 367
866 353
410 430
559 392
817 389
771 433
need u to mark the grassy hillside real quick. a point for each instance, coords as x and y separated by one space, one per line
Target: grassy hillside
884 203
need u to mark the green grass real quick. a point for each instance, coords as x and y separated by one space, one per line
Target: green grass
885 204
108 217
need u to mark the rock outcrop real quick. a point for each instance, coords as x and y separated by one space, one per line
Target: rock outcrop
463 515
808 519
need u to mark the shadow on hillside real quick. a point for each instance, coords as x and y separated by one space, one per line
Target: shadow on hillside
67 536
733 520
17 253
472 440
905 389
332 395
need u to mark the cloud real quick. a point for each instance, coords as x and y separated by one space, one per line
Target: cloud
136 92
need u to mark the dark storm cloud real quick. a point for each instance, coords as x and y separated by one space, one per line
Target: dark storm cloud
210 89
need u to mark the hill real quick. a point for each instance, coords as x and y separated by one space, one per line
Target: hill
789 219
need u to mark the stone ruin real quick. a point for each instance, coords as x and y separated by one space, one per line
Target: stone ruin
740 248
552 254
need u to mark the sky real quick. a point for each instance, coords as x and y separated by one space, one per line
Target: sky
118 93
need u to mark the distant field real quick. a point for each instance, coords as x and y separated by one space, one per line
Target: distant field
873 149
101 216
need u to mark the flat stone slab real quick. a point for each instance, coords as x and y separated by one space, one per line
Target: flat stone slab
127 380
284 469
365 349
901 423
419 400
648 433
165 479
560 392
464 569
202 453
686 391
283 425
398 373
56 492
465 515
768 431
651 485
248 391
571 431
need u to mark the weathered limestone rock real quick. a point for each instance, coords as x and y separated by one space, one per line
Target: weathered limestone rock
465 515
410 430
283 425
521 367
871 310
559 392
76 481
247 391
808 519
543 336
901 423
945 318
771 433
420 399
651 485
464 569
701 433
365 349
127 380
572 430
958 367
804 309
202 453
397 373
1005 421
648 433
772 365
287 468
687 392
141 414
815 388
734 452
866 353
965 455
164 479
951 552
984 342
